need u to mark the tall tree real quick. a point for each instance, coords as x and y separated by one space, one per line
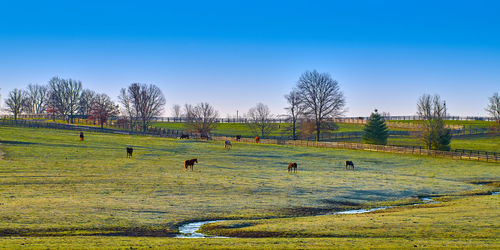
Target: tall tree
37 98
147 101
128 108
102 108
320 97
65 94
16 102
176 110
375 131
85 102
203 119
433 111
493 107
294 110
260 120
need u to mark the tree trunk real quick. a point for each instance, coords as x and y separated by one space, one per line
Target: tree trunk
318 130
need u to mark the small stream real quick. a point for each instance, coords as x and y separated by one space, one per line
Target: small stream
189 230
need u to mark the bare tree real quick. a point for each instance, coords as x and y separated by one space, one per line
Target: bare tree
102 108
128 108
320 97
147 101
85 102
188 112
433 111
37 97
494 107
176 110
204 119
294 110
260 120
16 102
65 94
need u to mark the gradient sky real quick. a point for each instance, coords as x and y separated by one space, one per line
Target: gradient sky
234 54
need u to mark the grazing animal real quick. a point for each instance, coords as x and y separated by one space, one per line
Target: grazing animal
292 166
227 144
129 152
81 136
238 137
257 139
184 136
190 163
204 136
349 164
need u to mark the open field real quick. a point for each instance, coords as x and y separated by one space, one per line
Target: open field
53 184
243 129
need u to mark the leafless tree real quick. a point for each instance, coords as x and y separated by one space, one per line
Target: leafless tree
16 102
320 97
102 108
147 101
176 110
433 111
204 119
128 108
188 112
260 120
37 97
65 94
294 110
85 102
494 107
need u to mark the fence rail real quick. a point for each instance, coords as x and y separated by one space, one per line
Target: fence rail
461 154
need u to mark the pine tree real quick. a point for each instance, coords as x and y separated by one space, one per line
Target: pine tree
375 131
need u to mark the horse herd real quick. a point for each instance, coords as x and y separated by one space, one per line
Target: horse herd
189 164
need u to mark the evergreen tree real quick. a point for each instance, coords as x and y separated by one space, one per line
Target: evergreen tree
375 131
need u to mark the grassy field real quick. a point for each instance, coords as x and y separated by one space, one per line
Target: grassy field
51 184
243 129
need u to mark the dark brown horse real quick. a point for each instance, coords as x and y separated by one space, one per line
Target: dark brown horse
257 139
238 137
292 166
184 136
81 136
129 152
227 144
190 163
349 164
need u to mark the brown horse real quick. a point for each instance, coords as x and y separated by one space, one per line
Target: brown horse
227 144
81 136
190 163
257 139
292 166
238 137
129 152
349 164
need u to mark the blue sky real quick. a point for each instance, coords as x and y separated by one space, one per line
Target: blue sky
234 54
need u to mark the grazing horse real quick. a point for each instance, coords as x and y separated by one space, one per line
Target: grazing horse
204 136
129 152
292 166
81 136
257 139
190 163
227 144
238 137
349 164
183 136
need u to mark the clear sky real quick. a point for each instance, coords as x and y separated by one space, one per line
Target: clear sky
234 54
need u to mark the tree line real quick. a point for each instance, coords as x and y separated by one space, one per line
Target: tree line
311 104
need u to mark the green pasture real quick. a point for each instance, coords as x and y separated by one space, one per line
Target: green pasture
52 184
472 124
233 129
